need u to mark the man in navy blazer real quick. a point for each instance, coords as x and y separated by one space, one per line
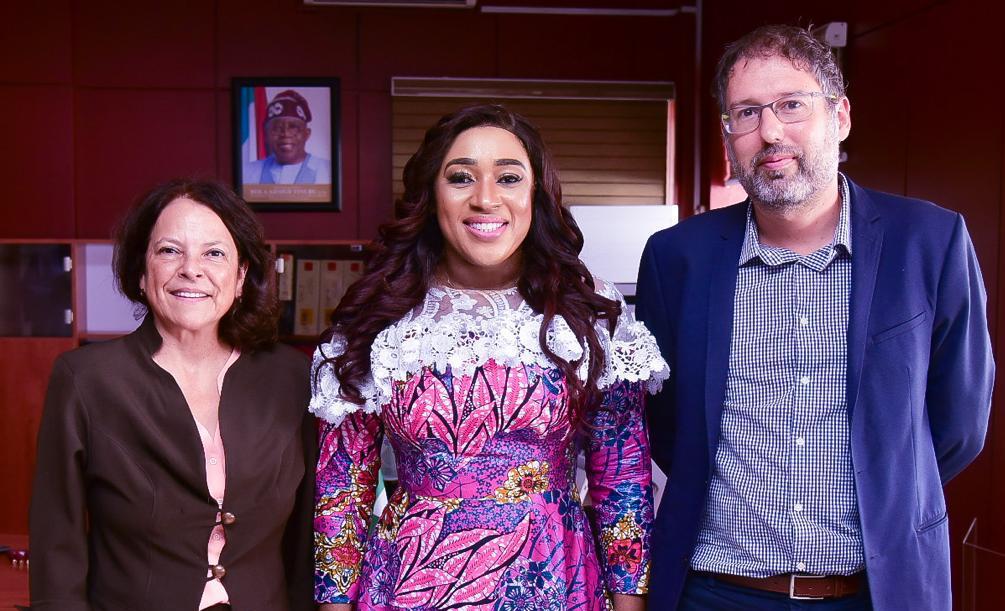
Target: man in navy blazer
831 366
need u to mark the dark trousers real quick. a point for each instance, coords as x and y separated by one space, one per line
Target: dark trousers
705 593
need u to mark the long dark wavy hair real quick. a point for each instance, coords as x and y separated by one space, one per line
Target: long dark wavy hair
251 323
553 280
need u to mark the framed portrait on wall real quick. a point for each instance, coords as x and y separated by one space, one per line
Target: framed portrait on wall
286 142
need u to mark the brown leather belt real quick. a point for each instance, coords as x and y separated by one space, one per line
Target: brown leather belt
798 586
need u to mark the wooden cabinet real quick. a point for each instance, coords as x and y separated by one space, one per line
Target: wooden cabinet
36 325
53 296
25 363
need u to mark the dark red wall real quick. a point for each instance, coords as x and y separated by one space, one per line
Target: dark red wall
104 99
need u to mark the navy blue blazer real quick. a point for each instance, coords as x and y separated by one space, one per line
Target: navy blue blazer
920 372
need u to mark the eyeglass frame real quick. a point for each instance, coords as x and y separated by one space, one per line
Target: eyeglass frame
724 117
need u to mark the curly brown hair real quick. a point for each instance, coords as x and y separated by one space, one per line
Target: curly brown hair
553 280
251 322
796 44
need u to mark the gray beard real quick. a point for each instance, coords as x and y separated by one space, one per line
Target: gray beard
815 170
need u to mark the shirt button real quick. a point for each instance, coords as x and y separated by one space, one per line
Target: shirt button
804 321
213 460
800 441
218 571
798 506
801 566
217 537
805 380
228 518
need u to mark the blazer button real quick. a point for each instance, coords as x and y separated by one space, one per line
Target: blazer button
218 571
228 518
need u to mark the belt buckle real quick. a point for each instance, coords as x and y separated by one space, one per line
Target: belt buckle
792 586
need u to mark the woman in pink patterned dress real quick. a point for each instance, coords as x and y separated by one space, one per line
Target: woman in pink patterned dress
483 348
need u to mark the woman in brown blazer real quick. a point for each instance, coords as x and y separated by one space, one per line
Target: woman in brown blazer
176 464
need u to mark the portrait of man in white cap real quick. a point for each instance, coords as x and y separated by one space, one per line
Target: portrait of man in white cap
286 131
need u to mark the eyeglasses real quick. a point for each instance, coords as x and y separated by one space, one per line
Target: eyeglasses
792 108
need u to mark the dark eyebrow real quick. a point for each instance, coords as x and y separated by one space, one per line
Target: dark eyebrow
470 161
749 102
177 242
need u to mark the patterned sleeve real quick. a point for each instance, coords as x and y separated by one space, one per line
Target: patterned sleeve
345 492
619 469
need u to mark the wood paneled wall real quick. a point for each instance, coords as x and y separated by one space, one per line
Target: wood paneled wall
105 98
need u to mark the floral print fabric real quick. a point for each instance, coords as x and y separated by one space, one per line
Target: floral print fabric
486 514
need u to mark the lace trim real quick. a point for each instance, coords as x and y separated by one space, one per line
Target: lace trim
465 335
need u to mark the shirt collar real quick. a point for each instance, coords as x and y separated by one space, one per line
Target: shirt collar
752 248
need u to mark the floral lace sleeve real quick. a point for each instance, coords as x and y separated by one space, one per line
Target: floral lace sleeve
346 486
619 469
327 402
632 353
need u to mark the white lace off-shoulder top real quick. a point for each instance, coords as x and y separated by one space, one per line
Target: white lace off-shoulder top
463 329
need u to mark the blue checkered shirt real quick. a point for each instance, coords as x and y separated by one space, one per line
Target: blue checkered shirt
781 497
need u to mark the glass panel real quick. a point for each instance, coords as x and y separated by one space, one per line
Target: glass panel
34 290
981 573
104 310
313 280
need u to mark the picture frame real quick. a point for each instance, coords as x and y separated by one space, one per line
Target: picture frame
286 145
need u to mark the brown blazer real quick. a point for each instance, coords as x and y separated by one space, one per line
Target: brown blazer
121 513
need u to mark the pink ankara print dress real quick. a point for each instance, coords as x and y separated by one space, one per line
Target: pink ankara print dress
486 515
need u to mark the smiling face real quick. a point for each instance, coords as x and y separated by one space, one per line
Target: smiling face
286 137
192 273
484 202
784 165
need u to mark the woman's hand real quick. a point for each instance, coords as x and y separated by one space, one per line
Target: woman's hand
18 557
340 607
629 602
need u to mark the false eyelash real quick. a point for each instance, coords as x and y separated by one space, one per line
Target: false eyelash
459 177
